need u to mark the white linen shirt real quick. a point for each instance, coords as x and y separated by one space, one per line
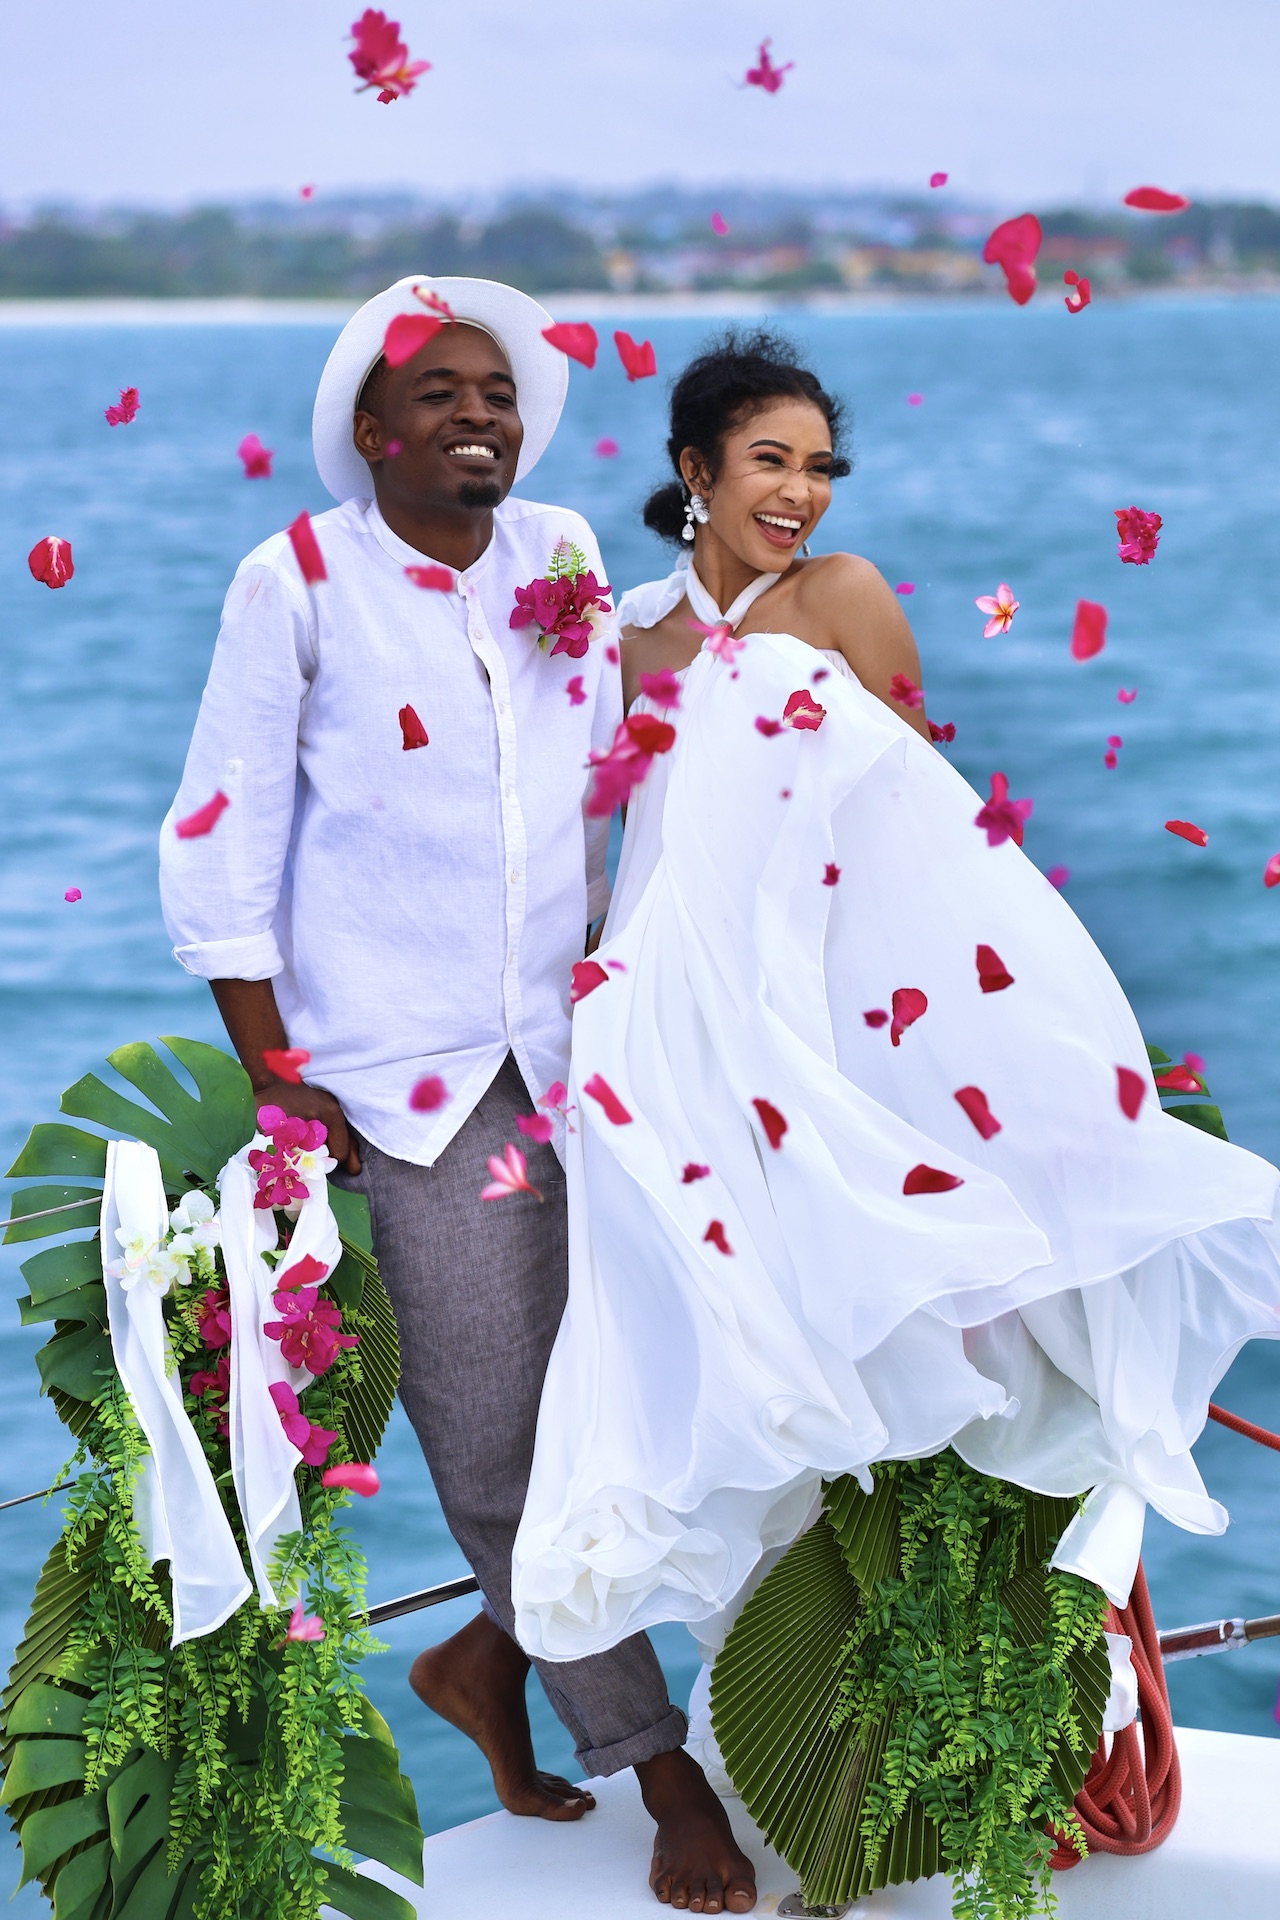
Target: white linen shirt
419 911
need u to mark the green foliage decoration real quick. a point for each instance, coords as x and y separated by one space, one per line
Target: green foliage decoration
910 1691
233 1777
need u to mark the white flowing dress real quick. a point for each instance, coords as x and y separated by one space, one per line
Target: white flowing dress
1061 1318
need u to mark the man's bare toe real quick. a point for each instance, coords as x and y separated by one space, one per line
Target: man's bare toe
565 1790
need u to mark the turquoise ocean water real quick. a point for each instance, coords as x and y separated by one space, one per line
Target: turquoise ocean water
1033 427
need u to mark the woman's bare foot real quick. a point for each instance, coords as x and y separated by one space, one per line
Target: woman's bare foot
475 1681
697 1863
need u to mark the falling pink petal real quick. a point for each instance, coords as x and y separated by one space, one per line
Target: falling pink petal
1187 830
1058 877
915 399
354 1477
876 1017
536 1126
1114 740
73 894
607 449
785 793
1138 533
576 691
286 1063
1127 696
393 449
412 732
256 458
434 579
765 74
938 179
307 549
204 819
715 1236
803 712
1080 298
772 1121
304 1626
1177 1079
305 193
974 1102
1195 1061
1001 606
693 1171
663 688
993 975
1013 246
508 1174
1271 872
942 735
769 728
1002 818
905 691
577 339
429 1094
50 561
616 966
637 356
587 976
1109 758
1131 1091
719 224
1155 200
408 334
599 1090
923 1179
1089 634
908 1005
831 874
612 655
306 1270
123 410
819 675
381 59
905 586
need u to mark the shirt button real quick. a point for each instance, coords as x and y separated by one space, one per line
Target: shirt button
515 876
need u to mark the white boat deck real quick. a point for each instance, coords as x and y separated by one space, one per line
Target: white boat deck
1222 1859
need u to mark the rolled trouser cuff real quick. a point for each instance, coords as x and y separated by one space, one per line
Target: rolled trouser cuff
665 1736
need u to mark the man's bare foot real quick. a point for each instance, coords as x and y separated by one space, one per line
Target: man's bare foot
697 1863
475 1681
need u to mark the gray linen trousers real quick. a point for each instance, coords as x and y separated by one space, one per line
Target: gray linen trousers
479 1288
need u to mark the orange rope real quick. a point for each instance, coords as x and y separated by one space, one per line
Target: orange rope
1246 1427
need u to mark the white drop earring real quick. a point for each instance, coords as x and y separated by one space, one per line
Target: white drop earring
695 509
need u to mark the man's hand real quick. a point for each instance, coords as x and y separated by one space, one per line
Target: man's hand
313 1103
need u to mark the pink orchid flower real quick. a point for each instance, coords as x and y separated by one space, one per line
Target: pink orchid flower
308 1329
765 74
1139 535
307 549
304 1626
905 691
1002 818
123 410
1079 299
509 1173
204 819
429 1094
1001 606
256 458
381 59
354 1476
50 561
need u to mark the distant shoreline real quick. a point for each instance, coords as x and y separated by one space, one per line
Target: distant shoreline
74 311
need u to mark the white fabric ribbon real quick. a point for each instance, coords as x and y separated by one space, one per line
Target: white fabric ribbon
264 1461
706 609
176 1504
645 605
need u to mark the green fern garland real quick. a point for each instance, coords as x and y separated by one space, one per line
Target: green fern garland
233 1777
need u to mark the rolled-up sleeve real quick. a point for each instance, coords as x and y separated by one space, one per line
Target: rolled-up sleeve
220 890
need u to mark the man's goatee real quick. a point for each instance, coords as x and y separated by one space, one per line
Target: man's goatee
479 493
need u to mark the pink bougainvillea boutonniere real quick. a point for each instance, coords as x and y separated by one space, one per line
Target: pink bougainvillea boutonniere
567 604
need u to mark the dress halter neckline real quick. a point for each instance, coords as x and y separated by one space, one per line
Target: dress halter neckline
707 610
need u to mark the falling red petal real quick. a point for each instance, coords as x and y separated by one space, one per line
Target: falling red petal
576 691
408 334
908 1005
429 1094
204 819
1187 830
769 728
993 976
974 1102
599 1090
637 356
123 410
587 976
905 691
576 338
943 735
803 712
436 579
536 1126
876 1017
286 1063
354 1477
1089 634
1058 877
1155 200
1271 872
772 1121
1177 1079
693 1171
1131 1089
831 875
715 1234
413 733
923 1179
307 549
607 448
50 561
938 179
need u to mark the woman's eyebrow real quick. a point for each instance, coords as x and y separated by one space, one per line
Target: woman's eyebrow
784 447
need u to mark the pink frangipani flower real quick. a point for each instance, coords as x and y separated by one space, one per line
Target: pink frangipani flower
304 1626
381 59
508 1174
1000 606
765 74
123 410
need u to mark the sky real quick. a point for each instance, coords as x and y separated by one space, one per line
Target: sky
1020 101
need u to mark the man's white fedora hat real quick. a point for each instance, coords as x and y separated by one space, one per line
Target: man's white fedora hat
515 321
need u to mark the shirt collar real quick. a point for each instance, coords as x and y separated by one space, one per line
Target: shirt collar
407 556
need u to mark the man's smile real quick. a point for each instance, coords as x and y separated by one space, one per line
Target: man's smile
473 449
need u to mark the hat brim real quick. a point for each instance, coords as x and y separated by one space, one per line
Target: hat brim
516 322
